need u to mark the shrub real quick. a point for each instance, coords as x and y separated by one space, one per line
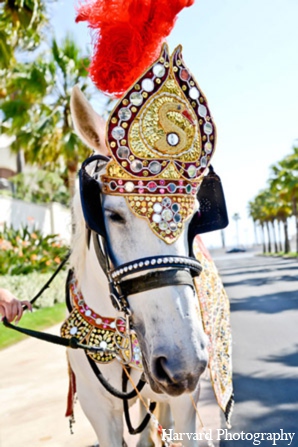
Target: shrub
25 287
22 251
40 187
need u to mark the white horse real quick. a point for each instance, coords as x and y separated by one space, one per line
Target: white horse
166 320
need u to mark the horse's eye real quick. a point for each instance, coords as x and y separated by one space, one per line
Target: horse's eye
115 217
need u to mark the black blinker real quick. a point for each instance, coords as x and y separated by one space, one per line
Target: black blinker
91 197
212 214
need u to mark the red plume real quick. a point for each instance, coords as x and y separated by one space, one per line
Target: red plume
128 35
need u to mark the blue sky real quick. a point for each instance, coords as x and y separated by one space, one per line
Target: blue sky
244 55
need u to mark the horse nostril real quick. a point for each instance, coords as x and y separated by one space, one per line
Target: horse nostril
172 373
161 372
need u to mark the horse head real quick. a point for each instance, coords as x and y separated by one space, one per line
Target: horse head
166 319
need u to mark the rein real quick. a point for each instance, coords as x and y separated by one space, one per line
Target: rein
55 339
72 342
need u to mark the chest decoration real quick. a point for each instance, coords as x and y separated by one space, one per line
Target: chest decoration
101 332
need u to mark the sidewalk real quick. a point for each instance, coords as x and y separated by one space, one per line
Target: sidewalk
33 389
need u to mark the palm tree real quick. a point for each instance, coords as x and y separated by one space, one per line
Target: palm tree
284 212
278 202
263 218
21 27
271 210
37 111
285 185
255 212
263 210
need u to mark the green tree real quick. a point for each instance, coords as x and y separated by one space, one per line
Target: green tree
253 212
264 216
36 108
40 186
263 211
279 201
284 184
21 28
267 208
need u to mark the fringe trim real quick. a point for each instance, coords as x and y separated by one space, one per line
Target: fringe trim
229 410
71 397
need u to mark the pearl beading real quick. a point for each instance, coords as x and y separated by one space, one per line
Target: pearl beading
155 262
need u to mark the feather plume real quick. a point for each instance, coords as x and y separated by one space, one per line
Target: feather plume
128 35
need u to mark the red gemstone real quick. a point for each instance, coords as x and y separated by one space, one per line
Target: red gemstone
152 186
184 75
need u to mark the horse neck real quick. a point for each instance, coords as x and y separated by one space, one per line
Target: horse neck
93 284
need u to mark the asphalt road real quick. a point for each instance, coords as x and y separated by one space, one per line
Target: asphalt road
264 314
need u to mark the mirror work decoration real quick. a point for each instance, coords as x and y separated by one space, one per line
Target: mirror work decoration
161 136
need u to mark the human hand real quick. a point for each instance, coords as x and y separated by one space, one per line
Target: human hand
11 307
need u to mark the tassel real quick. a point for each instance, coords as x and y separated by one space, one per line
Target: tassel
71 422
71 397
128 35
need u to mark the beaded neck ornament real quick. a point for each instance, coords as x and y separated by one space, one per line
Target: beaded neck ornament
161 137
95 330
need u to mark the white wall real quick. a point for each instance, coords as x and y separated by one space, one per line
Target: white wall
52 218
7 158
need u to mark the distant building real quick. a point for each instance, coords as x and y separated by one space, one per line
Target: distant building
10 163
8 160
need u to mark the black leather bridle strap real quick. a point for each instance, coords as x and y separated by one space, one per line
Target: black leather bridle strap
121 395
100 252
155 280
51 338
144 423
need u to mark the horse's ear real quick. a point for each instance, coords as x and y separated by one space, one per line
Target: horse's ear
88 124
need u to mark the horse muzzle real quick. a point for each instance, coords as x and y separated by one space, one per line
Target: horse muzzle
174 376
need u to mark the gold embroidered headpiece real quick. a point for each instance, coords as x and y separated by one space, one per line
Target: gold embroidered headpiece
161 137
